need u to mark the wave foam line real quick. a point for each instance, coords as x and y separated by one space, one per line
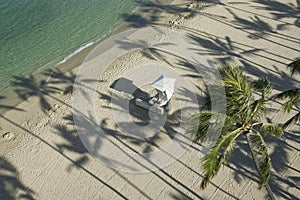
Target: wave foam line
76 52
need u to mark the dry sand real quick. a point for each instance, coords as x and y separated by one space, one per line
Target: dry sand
42 156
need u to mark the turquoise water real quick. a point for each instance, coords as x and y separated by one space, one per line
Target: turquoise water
37 33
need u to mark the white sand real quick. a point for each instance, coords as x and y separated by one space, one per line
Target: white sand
51 162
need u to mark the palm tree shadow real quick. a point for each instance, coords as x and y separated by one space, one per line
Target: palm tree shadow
151 10
47 87
11 187
224 51
280 163
4 108
280 80
148 145
244 167
26 87
72 144
279 155
256 24
280 10
276 182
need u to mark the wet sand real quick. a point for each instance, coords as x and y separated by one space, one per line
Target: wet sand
45 158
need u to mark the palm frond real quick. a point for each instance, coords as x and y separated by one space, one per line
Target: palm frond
217 95
263 86
207 99
292 93
238 92
259 106
213 95
258 109
219 155
295 119
228 147
262 158
243 111
272 129
288 106
292 96
294 67
200 124
211 166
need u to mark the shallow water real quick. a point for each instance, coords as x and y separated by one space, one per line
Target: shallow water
38 33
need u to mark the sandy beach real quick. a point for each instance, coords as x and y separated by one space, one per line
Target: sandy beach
55 144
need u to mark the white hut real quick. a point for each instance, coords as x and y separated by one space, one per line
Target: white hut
165 89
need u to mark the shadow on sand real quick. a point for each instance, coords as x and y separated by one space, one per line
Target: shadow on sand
222 47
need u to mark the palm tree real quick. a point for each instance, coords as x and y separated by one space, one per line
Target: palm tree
294 67
291 96
243 117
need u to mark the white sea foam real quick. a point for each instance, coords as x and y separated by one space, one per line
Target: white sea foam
91 43
76 52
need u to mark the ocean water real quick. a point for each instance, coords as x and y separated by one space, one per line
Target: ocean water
39 33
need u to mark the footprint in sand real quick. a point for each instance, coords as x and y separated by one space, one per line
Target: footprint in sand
8 136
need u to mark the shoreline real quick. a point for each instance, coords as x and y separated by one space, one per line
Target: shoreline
30 109
69 63
57 37
42 148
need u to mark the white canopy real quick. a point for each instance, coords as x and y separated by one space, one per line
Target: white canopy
165 85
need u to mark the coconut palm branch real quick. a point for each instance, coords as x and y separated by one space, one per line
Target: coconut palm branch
243 117
291 96
294 67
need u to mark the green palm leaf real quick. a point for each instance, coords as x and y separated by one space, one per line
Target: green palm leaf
292 96
272 129
258 109
259 106
219 155
238 93
292 93
263 86
200 124
263 160
294 67
243 112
